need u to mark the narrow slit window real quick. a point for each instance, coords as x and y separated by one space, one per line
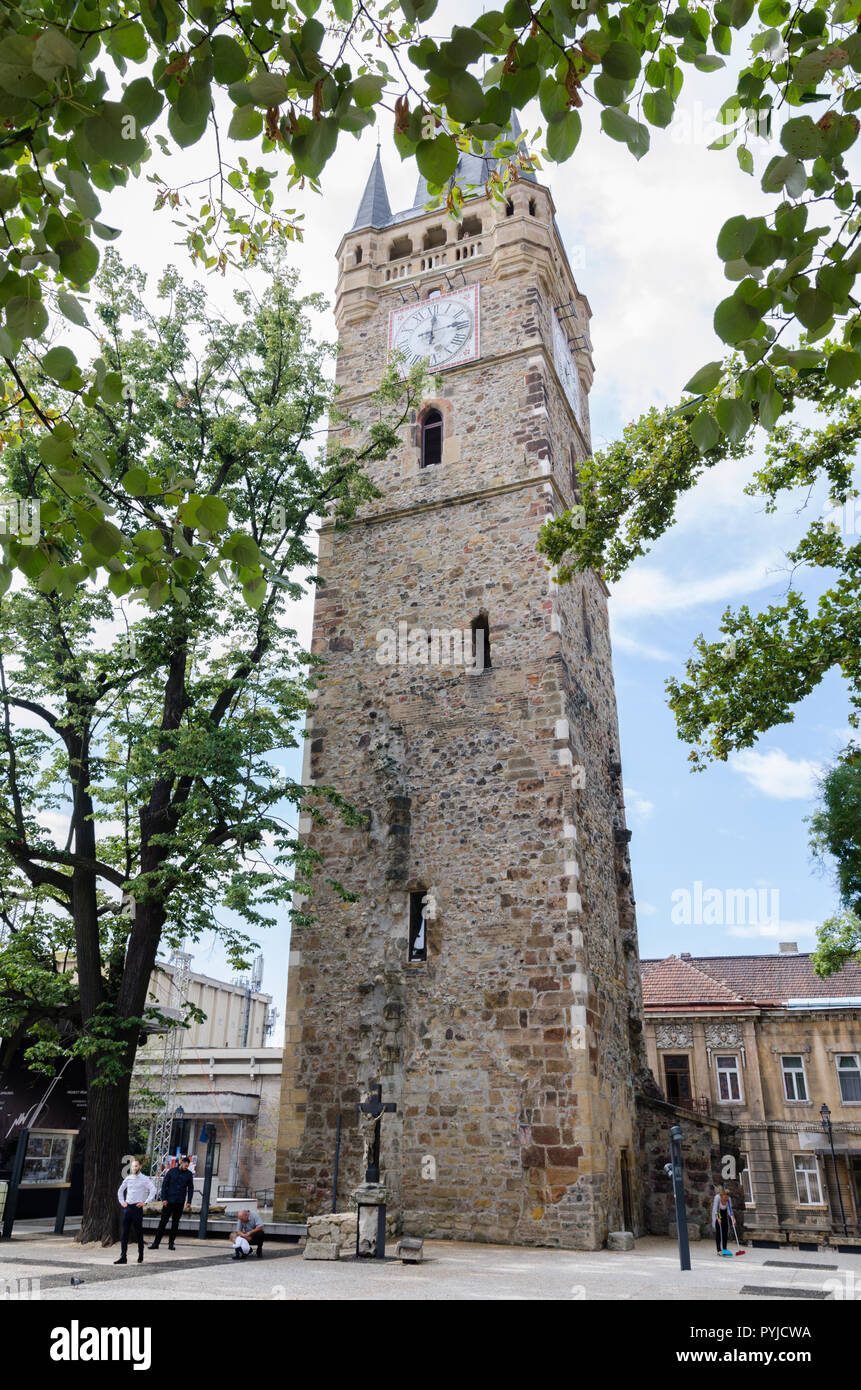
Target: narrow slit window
481 642
531 207
509 208
358 254
418 945
431 439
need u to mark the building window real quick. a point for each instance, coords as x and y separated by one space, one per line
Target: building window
418 947
575 478
746 1181
728 1079
481 642
794 1083
509 208
531 207
849 1076
470 226
358 254
431 439
401 246
677 1073
807 1185
435 293
587 626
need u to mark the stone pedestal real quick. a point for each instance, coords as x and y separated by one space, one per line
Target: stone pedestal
620 1240
370 1198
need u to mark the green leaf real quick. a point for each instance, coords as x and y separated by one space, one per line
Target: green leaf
705 431
245 124
53 53
706 379
708 62
254 592
212 513
267 88
770 407
437 159
465 98
735 319
620 126
811 66
60 363
242 550
562 136
230 63
113 135
144 102
735 418
844 368
135 482
745 159
344 10
158 594
81 190
621 60
312 147
367 90
813 308
106 538
79 259
735 236
658 108
800 137
26 318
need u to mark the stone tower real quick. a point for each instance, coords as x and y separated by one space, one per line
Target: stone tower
487 974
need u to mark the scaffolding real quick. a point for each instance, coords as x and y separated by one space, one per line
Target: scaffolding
180 965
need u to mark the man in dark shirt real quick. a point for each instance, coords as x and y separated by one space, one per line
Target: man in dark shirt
177 1190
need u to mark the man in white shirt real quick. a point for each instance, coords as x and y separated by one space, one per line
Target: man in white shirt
249 1231
134 1191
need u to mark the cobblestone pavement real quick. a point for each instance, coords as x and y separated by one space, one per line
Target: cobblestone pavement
450 1271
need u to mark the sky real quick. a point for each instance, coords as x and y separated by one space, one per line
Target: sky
641 237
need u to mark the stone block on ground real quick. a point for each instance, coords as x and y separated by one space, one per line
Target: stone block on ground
620 1240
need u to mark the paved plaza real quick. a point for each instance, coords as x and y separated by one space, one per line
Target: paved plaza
451 1270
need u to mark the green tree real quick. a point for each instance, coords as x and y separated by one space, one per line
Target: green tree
835 835
150 711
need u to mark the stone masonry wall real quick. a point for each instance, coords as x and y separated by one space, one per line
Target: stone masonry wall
513 1051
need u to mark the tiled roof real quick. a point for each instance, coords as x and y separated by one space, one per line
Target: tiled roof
675 981
750 979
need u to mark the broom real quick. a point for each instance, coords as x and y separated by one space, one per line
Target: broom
739 1251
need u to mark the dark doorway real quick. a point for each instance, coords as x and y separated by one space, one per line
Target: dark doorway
677 1073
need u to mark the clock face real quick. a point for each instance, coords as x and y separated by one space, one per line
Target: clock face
567 370
443 331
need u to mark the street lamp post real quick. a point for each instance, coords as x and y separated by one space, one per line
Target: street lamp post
827 1126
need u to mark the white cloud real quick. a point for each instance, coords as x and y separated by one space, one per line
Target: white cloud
623 643
637 806
797 929
652 590
777 775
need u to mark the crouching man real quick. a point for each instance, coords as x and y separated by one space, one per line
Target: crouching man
249 1231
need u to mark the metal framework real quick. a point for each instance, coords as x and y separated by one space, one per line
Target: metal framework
180 963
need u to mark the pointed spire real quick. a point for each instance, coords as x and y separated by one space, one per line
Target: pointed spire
475 168
374 209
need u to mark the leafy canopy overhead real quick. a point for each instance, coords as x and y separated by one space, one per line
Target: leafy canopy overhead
90 92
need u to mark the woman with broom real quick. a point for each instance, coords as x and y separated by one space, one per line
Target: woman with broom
721 1217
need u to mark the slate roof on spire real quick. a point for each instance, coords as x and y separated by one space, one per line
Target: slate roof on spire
374 209
471 168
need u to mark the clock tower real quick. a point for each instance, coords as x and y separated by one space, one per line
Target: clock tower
486 974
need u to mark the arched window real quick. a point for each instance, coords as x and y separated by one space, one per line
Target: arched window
434 236
531 207
587 626
431 428
470 226
358 254
481 642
